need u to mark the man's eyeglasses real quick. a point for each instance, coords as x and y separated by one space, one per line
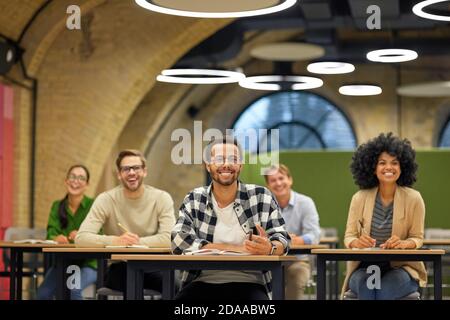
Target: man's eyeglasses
127 169
229 159
73 177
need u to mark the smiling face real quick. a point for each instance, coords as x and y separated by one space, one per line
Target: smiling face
279 183
76 181
225 164
388 168
132 173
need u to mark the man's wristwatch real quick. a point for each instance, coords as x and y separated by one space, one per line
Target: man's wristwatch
274 247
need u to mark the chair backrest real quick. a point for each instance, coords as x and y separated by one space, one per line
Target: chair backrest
18 233
30 260
437 233
328 232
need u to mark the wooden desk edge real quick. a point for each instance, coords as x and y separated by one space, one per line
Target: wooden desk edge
138 257
10 244
436 242
381 251
309 246
103 249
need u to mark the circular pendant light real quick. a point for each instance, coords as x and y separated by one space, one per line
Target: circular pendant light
391 55
287 51
360 90
269 82
329 67
418 10
199 76
238 8
425 89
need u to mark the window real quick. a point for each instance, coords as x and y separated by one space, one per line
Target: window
305 121
444 141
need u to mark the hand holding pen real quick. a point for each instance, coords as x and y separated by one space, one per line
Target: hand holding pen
127 238
364 240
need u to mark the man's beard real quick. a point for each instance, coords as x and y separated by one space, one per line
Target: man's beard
217 179
139 183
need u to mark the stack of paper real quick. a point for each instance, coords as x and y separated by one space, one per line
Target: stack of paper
136 246
34 241
217 252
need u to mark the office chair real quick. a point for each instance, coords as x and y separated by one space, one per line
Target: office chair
105 293
350 295
32 262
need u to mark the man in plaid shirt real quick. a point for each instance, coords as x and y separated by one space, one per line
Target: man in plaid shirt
220 216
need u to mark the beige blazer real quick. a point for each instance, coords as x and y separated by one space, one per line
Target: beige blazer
408 223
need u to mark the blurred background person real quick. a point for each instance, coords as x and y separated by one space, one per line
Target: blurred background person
302 223
65 218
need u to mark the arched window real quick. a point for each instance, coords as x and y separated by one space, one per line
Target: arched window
444 141
305 121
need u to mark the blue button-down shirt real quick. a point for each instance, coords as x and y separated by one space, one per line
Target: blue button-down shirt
301 218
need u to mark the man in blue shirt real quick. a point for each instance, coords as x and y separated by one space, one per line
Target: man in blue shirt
302 223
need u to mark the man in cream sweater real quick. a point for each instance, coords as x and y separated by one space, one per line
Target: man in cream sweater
130 214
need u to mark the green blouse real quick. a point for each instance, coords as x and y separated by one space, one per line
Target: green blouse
74 221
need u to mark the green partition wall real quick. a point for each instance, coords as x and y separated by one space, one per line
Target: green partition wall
325 176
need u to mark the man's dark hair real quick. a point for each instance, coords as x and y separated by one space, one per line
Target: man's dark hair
221 140
129 153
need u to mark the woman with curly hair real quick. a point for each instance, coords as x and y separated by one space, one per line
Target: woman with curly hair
386 213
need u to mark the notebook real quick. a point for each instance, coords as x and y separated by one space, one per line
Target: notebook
217 252
35 241
135 246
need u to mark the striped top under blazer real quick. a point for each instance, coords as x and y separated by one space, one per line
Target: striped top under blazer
408 224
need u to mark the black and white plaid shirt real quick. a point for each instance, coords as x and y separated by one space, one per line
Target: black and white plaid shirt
197 220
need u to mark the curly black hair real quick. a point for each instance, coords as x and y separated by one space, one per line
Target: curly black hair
365 159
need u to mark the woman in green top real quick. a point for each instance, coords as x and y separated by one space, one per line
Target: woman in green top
65 218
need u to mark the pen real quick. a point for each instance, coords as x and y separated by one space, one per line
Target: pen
363 230
122 227
362 226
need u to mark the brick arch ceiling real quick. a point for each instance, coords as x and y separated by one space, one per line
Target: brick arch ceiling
90 81
15 15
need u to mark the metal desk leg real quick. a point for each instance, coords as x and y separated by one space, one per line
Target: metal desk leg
329 277
12 274
139 285
437 267
278 282
336 280
48 262
62 292
336 275
19 274
168 289
135 282
102 267
59 265
321 277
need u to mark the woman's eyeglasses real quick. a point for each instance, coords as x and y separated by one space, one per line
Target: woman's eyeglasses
73 177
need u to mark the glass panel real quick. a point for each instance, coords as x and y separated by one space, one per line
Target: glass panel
445 138
305 121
